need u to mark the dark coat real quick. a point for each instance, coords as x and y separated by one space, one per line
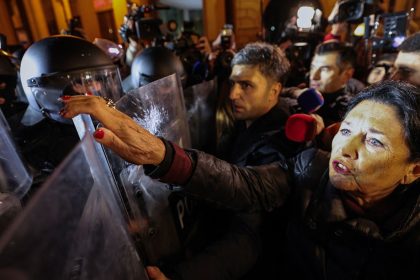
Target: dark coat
324 240
228 233
264 141
333 109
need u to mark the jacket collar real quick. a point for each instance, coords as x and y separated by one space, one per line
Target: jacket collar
330 208
274 119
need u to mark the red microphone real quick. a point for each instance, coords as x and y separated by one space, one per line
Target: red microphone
303 128
300 128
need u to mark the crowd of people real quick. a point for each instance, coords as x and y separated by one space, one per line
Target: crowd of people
267 206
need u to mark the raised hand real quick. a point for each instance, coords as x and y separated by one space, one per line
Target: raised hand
119 132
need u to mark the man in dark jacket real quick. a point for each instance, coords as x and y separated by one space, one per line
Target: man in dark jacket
258 72
332 68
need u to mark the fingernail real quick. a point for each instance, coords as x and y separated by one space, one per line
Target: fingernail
99 134
89 93
65 97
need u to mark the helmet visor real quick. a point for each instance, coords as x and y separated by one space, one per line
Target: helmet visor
47 90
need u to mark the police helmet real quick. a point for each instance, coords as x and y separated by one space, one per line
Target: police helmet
154 63
65 65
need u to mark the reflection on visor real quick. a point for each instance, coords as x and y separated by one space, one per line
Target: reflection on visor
105 82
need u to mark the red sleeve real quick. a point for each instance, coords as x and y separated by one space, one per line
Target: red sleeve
181 168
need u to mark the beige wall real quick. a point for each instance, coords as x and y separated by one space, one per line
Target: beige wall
327 6
62 13
87 13
247 21
36 19
214 17
6 24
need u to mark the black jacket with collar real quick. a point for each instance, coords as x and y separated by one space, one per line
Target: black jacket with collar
323 239
264 141
333 109
236 235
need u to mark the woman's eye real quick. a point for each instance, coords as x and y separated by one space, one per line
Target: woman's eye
374 142
344 131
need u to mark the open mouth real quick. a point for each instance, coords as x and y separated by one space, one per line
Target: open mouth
340 168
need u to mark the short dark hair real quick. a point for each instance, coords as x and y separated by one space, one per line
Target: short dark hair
346 53
411 44
270 59
405 98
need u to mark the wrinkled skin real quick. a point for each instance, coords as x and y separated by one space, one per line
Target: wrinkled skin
119 132
369 157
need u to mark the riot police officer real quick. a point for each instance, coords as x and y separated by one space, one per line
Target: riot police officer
50 69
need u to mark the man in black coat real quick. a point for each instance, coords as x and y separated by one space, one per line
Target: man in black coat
258 73
332 68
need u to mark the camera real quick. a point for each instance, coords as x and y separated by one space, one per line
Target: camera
303 32
140 27
394 32
226 36
353 11
224 57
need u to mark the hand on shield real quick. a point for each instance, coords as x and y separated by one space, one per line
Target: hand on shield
119 132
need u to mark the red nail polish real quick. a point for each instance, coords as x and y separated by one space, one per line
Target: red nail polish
99 134
89 93
66 97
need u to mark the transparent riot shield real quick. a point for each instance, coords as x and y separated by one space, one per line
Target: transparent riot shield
14 176
159 107
200 103
73 227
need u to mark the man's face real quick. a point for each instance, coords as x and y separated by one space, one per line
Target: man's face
251 93
407 67
325 75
